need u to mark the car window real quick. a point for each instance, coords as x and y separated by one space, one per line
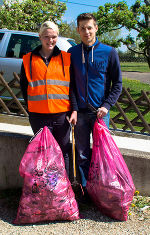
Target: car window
20 45
71 42
1 36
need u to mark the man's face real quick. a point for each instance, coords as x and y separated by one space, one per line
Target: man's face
87 30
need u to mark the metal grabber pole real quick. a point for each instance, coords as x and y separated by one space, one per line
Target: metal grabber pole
73 154
77 187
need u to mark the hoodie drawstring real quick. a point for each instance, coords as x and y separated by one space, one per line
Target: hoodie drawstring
83 57
92 53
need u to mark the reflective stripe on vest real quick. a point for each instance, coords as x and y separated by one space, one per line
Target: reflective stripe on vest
49 82
50 96
48 87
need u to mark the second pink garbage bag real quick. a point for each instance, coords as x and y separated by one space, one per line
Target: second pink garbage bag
47 193
109 184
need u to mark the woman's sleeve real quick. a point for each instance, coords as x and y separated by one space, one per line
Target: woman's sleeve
23 83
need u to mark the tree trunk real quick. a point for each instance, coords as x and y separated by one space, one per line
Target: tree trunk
148 61
147 19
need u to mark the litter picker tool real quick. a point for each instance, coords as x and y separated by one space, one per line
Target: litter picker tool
93 109
73 154
77 187
74 157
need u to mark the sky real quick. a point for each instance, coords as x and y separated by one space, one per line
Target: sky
76 7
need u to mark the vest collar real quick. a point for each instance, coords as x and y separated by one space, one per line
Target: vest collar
56 51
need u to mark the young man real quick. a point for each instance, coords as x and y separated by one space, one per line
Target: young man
98 82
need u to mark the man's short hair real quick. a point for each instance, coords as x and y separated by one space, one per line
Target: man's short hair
86 16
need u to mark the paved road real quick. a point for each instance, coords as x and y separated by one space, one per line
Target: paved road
143 77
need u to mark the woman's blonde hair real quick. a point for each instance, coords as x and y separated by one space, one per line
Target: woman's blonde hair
48 25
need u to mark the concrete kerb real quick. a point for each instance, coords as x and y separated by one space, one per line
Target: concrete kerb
13 146
138 163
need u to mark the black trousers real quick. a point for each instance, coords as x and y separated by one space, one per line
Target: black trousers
59 127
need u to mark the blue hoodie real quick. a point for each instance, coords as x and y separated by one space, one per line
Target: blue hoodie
97 75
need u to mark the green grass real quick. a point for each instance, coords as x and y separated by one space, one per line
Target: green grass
134 67
137 205
135 86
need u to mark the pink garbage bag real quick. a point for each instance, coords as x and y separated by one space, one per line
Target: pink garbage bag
47 193
109 184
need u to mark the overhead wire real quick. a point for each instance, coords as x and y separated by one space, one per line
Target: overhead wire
79 4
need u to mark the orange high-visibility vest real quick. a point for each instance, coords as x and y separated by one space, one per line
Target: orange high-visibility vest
48 86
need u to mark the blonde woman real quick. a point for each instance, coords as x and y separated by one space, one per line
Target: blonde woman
46 88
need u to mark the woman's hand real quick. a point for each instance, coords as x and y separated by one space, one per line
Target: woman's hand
73 118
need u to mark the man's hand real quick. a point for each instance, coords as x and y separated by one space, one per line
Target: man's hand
73 118
101 112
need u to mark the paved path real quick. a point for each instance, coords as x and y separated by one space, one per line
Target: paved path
138 144
143 77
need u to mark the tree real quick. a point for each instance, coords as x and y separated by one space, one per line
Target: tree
69 30
29 14
111 38
112 17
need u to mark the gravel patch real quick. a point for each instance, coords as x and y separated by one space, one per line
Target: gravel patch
92 222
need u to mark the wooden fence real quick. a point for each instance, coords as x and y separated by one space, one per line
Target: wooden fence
140 107
11 103
11 96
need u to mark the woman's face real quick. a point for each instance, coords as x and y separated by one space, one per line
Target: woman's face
48 39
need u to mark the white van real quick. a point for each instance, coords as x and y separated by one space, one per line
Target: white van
14 44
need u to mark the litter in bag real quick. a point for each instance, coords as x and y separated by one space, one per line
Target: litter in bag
109 184
47 193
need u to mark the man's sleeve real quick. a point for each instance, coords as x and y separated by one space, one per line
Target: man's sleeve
113 80
72 91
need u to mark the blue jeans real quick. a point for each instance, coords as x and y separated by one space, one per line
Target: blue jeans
83 129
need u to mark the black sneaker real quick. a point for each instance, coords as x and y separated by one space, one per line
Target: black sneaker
84 197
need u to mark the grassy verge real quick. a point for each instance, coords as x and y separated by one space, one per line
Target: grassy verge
140 206
134 67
